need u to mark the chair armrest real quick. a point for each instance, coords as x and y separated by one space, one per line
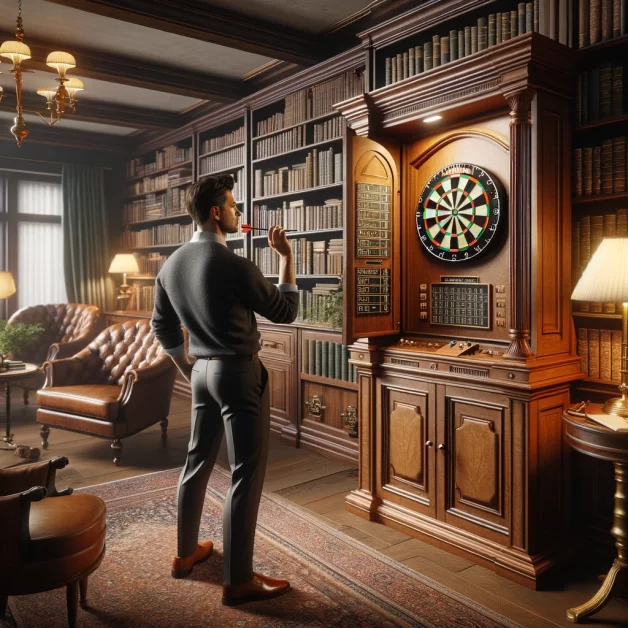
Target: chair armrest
60 350
64 372
22 478
14 514
145 377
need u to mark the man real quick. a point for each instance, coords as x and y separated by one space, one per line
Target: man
214 294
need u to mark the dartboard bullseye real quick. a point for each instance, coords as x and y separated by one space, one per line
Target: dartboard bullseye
458 212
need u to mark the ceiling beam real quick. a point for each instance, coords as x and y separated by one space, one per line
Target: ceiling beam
198 20
127 71
102 113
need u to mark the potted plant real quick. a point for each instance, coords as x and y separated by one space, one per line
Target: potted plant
15 338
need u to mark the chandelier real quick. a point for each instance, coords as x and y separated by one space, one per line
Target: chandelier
57 98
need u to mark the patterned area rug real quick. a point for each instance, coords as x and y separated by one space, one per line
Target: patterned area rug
336 580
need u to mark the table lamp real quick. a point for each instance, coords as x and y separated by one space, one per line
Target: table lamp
7 285
605 280
124 263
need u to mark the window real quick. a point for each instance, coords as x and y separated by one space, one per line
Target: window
32 237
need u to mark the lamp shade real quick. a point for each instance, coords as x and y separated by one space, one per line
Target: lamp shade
17 51
7 285
124 263
605 279
61 61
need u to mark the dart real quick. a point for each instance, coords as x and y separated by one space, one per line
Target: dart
246 228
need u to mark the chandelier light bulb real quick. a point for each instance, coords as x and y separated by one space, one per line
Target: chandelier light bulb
61 61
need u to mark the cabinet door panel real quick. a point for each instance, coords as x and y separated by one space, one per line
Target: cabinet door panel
474 463
282 388
406 460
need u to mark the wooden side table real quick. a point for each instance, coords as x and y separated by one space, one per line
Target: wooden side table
9 376
593 439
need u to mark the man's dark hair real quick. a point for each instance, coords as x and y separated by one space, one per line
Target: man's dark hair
206 193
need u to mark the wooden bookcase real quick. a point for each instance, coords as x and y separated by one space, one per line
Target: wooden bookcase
600 209
155 221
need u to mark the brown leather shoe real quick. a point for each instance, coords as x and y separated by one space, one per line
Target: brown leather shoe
182 567
258 588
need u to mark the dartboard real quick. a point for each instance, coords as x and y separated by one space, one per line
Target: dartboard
458 212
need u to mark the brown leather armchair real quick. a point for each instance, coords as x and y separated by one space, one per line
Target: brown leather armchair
68 328
49 539
117 386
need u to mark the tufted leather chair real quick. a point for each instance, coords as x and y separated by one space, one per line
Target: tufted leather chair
48 539
68 328
117 386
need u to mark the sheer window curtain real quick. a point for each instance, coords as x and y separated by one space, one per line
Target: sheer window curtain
40 276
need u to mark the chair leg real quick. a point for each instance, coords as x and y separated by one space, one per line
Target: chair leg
25 392
83 592
72 594
44 433
117 447
164 429
3 605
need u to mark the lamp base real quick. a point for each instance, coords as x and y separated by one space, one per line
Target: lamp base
617 406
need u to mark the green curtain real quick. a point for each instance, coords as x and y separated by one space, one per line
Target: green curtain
85 247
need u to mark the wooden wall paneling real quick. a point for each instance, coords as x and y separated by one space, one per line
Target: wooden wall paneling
551 322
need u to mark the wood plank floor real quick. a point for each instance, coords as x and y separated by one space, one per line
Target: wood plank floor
319 485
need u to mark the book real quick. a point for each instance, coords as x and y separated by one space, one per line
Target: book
613 422
583 349
605 354
583 23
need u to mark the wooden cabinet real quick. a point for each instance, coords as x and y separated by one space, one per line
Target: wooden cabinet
279 356
476 464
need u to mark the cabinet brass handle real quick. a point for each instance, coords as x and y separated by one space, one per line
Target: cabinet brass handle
316 406
429 443
441 447
269 343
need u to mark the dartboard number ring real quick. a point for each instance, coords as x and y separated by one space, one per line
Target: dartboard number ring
458 212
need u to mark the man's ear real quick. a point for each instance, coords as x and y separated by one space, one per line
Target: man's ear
214 212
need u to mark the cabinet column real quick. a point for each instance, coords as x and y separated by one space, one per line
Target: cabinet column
520 228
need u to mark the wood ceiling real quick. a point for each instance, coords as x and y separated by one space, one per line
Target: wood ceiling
155 65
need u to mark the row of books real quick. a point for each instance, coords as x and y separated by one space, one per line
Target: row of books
297 216
489 31
600 93
218 143
142 297
600 20
172 203
227 159
329 129
601 169
164 158
312 102
326 359
315 305
150 264
280 143
310 258
586 234
320 168
179 176
600 353
157 235
148 184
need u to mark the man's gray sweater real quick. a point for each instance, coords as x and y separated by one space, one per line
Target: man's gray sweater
215 294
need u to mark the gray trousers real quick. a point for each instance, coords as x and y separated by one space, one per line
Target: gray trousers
231 397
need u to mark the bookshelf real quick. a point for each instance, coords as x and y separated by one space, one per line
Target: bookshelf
600 179
224 149
154 218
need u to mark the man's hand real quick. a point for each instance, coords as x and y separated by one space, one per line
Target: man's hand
278 240
185 363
